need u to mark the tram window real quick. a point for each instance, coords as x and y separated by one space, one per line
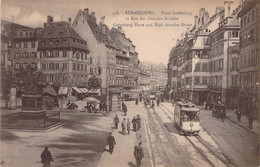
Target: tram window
190 116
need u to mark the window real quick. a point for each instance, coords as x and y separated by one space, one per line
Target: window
99 71
24 44
43 66
51 78
204 80
221 64
64 53
204 67
196 80
197 68
25 55
33 44
234 34
17 55
81 67
55 53
33 55
74 66
90 60
17 45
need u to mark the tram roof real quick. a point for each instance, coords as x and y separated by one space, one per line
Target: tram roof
187 109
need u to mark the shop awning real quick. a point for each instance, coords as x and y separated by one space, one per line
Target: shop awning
86 90
82 90
170 91
77 89
63 90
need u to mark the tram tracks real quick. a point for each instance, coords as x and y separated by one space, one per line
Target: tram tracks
214 159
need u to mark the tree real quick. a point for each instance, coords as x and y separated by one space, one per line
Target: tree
26 80
94 82
7 81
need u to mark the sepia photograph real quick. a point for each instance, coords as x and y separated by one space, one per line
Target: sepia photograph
130 83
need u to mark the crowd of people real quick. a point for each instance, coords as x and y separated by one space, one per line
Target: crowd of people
126 125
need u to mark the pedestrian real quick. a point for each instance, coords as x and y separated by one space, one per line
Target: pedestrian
250 119
128 125
222 114
139 154
134 124
158 102
116 121
172 101
238 115
124 108
123 126
46 157
138 121
111 142
205 104
136 101
152 104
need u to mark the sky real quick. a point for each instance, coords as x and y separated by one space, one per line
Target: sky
153 42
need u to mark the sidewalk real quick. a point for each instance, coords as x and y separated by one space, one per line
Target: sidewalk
123 154
231 115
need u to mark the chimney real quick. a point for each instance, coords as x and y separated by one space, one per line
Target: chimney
102 20
195 21
69 20
86 11
49 20
227 6
120 30
201 12
93 14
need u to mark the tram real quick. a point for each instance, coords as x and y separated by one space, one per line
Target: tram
186 118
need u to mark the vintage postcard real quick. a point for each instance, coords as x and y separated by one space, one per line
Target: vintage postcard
129 83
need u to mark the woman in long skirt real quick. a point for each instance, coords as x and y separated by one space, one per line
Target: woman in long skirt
134 124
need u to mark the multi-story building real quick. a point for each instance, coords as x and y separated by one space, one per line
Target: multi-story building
144 79
249 59
111 54
126 44
193 64
63 55
158 74
5 51
24 43
223 63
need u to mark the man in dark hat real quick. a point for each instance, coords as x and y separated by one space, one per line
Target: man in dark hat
46 157
111 142
139 154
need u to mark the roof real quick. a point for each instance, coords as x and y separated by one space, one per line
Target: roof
60 29
4 38
11 28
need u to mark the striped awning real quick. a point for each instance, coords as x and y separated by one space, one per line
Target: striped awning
82 90
77 89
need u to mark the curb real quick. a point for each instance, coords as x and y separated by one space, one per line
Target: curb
240 125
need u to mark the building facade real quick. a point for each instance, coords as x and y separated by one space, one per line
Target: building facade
249 56
111 53
203 65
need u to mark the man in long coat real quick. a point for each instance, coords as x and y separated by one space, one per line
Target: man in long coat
116 121
111 142
139 154
46 157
